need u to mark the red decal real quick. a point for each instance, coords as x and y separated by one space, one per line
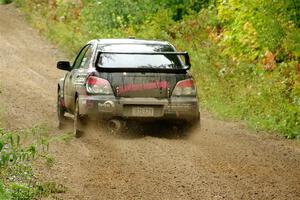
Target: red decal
146 86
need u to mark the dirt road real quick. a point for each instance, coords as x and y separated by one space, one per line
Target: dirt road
222 161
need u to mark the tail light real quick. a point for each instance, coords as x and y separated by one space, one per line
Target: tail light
95 85
185 88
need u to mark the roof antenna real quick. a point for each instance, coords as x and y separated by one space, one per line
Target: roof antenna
131 37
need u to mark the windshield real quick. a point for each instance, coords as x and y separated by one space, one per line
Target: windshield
115 60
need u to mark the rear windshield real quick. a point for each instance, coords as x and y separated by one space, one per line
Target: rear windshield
107 60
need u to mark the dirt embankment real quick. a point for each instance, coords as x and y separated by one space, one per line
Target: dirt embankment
223 161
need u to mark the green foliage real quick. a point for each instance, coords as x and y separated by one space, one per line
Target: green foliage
11 151
4 194
245 54
5 1
18 149
252 27
26 192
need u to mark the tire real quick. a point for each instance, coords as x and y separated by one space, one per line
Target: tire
60 112
78 121
195 124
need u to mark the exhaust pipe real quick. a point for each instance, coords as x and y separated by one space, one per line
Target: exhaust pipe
115 125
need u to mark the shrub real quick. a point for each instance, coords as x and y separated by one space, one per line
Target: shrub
17 151
5 1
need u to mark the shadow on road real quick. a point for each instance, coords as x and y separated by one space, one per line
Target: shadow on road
138 129
159 129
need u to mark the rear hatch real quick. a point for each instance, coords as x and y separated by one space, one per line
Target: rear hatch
141 70
138 84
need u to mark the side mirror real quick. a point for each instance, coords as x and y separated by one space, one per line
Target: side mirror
64 65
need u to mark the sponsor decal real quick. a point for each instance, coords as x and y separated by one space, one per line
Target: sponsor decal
107 104
145 86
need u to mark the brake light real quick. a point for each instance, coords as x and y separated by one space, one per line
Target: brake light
95 85
185 88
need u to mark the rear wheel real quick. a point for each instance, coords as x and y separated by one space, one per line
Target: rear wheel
60 111
189 127
195 124
78 121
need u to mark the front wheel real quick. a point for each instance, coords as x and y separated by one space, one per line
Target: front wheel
78 121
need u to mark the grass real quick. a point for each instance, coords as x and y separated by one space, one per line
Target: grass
19 149
5 1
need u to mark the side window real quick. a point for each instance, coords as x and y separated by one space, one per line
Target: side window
79 59
87 58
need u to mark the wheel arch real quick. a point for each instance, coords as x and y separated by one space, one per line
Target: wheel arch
76 96
60 87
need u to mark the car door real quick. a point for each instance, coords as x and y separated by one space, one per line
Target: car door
70 79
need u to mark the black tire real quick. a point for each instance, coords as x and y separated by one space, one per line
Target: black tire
195 124
78 121
60 112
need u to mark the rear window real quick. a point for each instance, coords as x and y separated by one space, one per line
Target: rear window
107 60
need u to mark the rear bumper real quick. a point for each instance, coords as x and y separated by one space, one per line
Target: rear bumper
107 107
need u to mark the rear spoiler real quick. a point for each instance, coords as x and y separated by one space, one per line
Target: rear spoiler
185 54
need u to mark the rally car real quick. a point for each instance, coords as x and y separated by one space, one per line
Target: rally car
121 79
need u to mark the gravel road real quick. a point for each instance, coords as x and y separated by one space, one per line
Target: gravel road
222 161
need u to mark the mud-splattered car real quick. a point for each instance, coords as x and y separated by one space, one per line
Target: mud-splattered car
119 79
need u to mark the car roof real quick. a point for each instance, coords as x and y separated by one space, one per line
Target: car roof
128 41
